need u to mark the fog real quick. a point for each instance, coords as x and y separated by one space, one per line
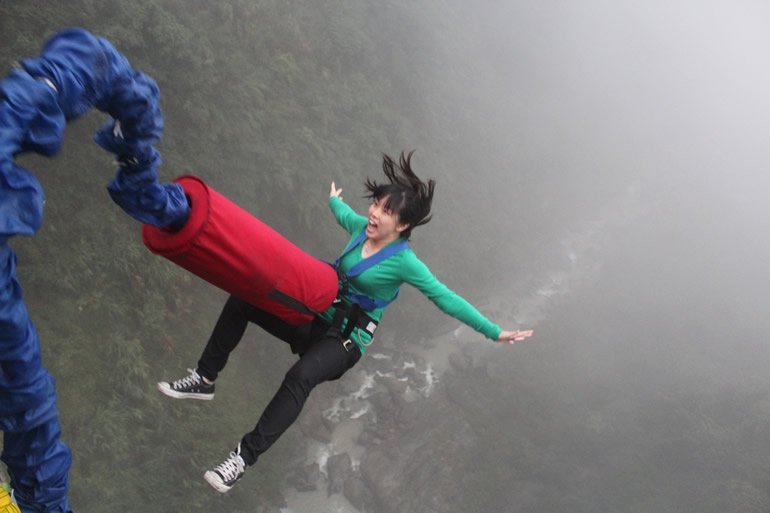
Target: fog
601 172
649 123
653 119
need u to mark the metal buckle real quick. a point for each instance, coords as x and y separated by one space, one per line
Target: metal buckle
348 345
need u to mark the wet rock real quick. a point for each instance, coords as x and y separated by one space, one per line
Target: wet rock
396 387
381 474
330 423
370 437
408 413
357 493
381 402
351 383
306 479
338 468
312 424
460 362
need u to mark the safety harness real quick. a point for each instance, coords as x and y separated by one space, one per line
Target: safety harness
357 305
356 311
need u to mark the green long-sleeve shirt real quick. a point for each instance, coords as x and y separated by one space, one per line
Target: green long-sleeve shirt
383 280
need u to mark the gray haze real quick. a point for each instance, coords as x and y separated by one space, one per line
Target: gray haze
609 189
649 125
653 119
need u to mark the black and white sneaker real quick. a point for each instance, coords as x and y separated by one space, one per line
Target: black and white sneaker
189 387
227 473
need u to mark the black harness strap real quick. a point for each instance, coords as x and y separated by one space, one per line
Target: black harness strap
353 315
291 302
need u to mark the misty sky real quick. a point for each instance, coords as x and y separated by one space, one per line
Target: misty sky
669 97
649 123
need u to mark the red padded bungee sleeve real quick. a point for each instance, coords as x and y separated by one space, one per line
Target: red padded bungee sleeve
232 249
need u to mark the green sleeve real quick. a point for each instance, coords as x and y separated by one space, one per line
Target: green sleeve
346 216
419 276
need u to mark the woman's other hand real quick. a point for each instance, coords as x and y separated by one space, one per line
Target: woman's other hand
335 192
511 337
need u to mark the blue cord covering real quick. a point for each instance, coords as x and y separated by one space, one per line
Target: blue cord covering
75 71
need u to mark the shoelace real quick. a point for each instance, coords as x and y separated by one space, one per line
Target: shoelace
193 379
231 467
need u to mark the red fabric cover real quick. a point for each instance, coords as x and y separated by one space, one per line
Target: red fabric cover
232 249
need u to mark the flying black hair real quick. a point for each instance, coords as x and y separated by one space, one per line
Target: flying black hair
406 195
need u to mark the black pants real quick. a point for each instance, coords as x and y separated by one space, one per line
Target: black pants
321 358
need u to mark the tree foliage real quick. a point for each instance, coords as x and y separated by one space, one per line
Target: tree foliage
266 100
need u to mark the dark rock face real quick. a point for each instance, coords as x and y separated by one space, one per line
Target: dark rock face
312 423
306 478
358 494
413 442
338 469
412 468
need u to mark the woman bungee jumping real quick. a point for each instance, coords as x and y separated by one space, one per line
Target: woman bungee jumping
375 263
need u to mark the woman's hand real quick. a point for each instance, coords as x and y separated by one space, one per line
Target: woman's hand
511 337
335 192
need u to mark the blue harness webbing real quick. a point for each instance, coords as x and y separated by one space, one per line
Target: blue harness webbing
365 302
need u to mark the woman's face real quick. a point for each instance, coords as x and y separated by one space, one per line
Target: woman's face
384 224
